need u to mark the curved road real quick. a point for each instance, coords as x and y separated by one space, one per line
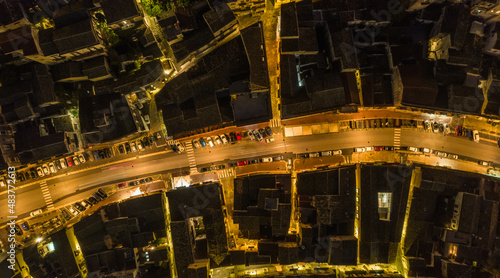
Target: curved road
67 188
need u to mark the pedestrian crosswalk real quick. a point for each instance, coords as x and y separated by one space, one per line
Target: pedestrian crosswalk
226 173
46 195
397 138
192 161
275 122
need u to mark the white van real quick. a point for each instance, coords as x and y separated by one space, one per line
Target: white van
36 212
267 159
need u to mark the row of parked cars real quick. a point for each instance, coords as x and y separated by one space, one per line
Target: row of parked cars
134 183
318 154
429 151
139 144
217 140
51 167
73 210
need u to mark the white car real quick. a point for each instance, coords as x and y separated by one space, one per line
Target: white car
267 159
52 168
73 211
180 146
223 137
35 212
210 142
326 153
82 158
369 149
314 155
476 136
196 144
76 160
62 161
337 152
251 135
454 156
269 139
39 171
413 149
217 140
426 150
359 150
132 147
442 154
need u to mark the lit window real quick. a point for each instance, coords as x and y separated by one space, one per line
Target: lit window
384 205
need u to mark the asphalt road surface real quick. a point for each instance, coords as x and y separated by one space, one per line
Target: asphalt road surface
70 187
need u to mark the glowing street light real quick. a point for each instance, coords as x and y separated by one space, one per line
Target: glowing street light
38 239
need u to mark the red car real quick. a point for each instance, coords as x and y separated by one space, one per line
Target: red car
122 185
244 162
458 130
238 136
379 148
70 161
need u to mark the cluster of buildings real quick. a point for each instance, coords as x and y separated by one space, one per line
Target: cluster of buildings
351 221
436 56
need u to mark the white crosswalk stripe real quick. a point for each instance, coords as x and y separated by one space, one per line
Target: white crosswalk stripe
275 122
397 138
46 195
226 173
191 159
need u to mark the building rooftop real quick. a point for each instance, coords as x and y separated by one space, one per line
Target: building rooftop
119 10
75 36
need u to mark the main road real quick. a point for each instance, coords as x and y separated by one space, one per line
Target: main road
69 187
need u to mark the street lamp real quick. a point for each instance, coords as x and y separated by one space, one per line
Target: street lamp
38 239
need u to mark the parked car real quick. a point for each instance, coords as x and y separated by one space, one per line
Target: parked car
196 144
132 147
36 212
232 137
202 142
180 146
458 130
413 149
278 158
254 161
218 167
86 203
484 163
217 140
243 162
57 164
257 135
251 134
435 127
232 164
76 160
267 159
79 207
337 152
269 131
97 156
313 155
263 133
82 159
326 153
145 142
102 193
39 171
238 136
426 150
33 173
45 169
476 136
210 142
73 211
108 153
223 138
97 197
70 161
65 214
25 226
122 185
20 177
121 149
442 154
377 149
303 155
139 145
447 128
454 156
92 200
52 167
369 149
128 149
359 150
205 169
270 139
427 125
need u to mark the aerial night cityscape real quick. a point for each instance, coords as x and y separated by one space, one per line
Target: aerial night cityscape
249 138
